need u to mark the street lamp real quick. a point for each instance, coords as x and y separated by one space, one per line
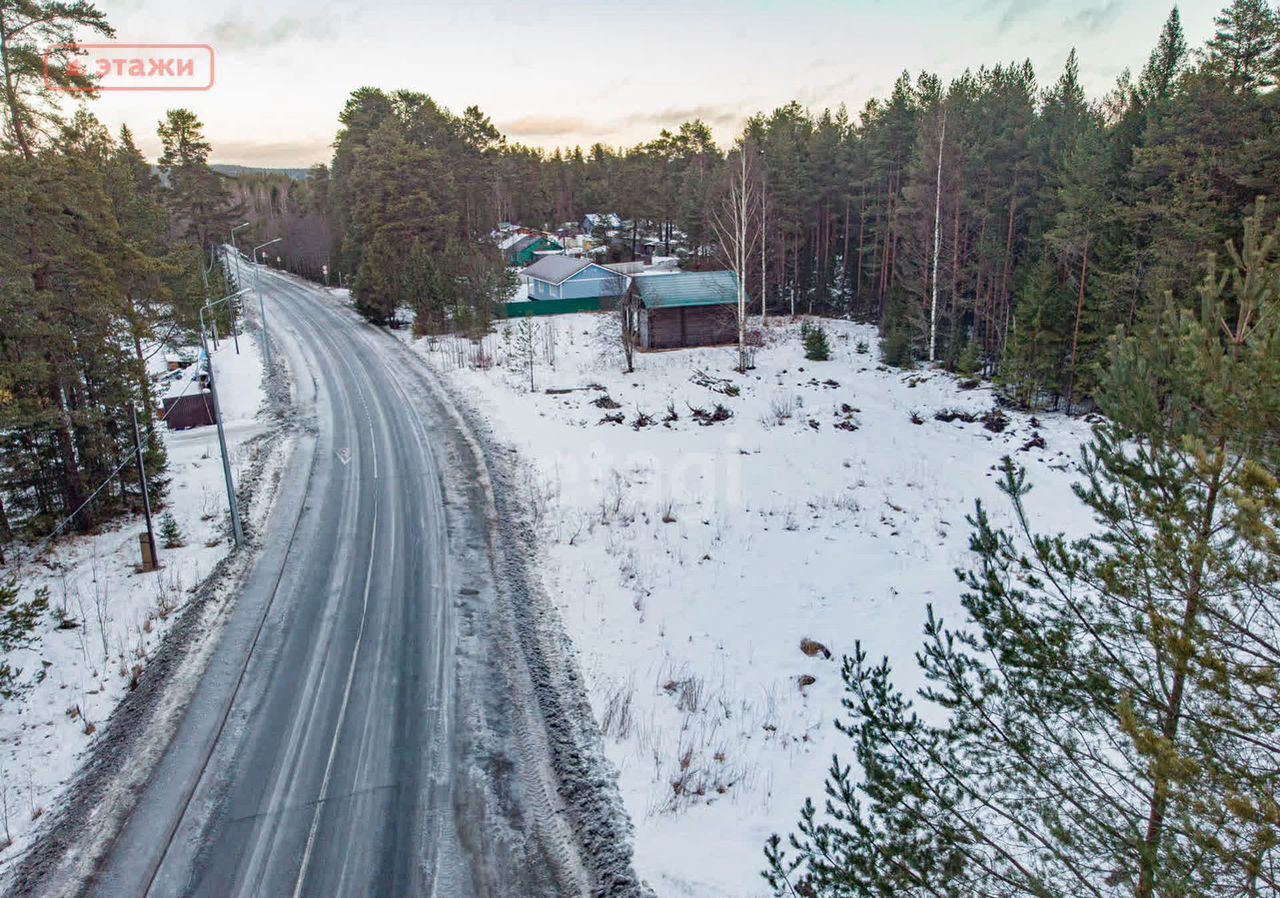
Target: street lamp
236 251
236 529
262 310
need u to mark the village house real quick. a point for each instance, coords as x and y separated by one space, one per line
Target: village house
593 221
562 277
687 308
529 248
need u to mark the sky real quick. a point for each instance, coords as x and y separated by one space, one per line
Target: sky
574 72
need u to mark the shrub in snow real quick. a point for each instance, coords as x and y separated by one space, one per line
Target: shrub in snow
970 361
896 348
816 347
17 621
171 533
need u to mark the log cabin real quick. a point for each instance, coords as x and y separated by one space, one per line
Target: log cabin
687 308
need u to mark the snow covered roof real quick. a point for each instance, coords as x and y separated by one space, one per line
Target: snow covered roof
554 269
687 288
612 219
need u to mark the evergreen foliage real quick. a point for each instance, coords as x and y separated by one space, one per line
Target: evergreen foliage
1110 708
18 619
1058 218
171 534
99 263
816 346
412 179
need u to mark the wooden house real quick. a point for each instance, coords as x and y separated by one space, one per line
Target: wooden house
687 308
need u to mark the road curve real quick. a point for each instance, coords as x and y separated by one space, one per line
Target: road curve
348 738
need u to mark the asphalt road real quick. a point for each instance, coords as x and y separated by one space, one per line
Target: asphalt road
339 744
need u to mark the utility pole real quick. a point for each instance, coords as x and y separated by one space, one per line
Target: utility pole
146 493
236 250
204 276
236 529
262 310
236 255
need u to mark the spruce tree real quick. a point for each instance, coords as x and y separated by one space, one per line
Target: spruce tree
1039 346
816 346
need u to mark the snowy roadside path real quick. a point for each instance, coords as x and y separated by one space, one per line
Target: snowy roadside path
110 689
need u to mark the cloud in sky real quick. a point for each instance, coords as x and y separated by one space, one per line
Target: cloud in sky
1093 19
243 33
618 130
283 153
715 116
1012 12
284 74
544 126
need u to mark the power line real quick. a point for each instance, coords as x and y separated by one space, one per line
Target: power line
44 543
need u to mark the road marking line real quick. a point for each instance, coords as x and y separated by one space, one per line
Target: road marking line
342 712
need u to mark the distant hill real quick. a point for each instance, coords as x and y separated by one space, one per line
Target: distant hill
240 171
236 171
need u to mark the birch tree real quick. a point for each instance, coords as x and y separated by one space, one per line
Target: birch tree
737 229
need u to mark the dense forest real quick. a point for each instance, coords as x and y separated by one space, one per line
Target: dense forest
993 224
999 224
103 261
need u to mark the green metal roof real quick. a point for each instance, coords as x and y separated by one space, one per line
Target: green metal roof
687 288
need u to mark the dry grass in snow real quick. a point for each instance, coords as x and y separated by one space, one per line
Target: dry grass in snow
715 542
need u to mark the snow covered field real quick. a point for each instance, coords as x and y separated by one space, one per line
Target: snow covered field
689 559
115 617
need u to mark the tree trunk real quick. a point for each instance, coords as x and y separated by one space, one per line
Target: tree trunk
73 493
764 256
1075 334
1003 316
937 244
862 227
11 96
1160 788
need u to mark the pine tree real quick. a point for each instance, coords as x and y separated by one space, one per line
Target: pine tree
39 60
18 618
198 200
1111 708
1245 48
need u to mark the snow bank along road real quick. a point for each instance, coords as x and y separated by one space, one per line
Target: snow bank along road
363 728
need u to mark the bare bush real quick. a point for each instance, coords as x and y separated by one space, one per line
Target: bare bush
781 408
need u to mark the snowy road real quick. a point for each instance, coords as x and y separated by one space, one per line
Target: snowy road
349 737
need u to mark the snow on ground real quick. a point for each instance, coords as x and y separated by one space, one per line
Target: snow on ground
688 561
81 672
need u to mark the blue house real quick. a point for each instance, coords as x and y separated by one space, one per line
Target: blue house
564 277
